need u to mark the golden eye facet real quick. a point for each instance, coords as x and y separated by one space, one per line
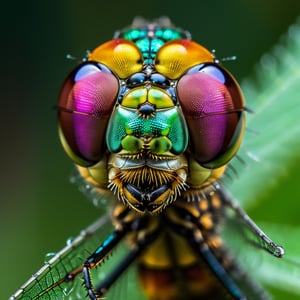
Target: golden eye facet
175 57
119 55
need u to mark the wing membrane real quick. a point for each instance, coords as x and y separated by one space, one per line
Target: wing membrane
54 280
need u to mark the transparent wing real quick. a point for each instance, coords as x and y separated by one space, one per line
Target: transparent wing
51 281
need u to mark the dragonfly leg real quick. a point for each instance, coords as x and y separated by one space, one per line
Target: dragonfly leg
192 223
104 286
230 274
185 220
146 233
98 257
202 249
265 242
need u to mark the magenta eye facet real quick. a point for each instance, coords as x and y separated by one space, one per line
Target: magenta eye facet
213 106
85 104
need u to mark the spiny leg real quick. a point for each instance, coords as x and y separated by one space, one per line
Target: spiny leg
109 280
186 223
98 257
135 251
229 273
198 223
125 221
146 232
265 242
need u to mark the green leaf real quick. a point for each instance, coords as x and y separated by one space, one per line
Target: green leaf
268 185
275 97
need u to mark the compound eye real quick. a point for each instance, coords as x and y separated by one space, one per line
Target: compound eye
85 103
213 106
121 56
177 56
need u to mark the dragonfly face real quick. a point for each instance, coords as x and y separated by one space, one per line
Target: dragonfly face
152 119
158 109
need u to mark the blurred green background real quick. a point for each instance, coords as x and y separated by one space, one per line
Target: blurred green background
39 208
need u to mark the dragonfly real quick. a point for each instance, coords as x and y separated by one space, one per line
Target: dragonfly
151 120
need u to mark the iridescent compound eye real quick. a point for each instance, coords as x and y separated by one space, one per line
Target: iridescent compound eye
177 56
213 106
85 104
121 56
